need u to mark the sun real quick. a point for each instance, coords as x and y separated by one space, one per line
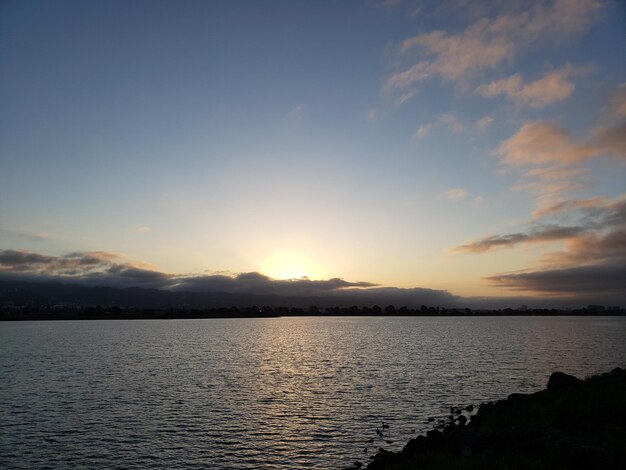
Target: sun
289 265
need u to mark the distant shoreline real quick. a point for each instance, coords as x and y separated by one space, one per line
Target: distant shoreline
98 313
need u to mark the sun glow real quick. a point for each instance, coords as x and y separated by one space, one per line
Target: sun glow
288 265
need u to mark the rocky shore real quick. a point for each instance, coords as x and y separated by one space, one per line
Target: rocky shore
571 424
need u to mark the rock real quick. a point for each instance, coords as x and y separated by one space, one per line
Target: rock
560 380
469 408
580 425
517 396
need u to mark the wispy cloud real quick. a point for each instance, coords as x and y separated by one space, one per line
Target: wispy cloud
611 140
539 235
552 87
37 237
386 4
463 195
456 194
617 105
445 120
295 113
423 130
404 97
540 143
484 122
478 201
489 42
551 159
570 205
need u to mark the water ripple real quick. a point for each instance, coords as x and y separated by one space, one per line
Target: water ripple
266 393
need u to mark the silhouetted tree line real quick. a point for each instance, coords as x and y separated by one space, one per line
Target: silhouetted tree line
46 312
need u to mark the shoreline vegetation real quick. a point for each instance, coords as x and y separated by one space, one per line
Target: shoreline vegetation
62 312
572 424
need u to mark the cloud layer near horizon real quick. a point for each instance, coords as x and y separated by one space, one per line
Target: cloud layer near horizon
109 269
569 286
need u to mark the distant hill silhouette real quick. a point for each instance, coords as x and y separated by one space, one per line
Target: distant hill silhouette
54 293
33 294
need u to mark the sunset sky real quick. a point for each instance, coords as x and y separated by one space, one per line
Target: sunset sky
475 147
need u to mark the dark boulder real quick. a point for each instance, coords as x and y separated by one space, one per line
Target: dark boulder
560 380
573 424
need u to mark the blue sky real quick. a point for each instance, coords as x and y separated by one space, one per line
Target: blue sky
385 142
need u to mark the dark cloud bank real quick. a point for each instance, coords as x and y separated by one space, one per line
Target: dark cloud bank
109 270
101 269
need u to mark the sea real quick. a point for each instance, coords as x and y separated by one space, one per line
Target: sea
267 393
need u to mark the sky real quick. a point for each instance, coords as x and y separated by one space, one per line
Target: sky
465 148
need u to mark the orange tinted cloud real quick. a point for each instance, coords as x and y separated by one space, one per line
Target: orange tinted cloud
554 86
539 143
489 42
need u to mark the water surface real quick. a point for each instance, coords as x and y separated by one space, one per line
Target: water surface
266 393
